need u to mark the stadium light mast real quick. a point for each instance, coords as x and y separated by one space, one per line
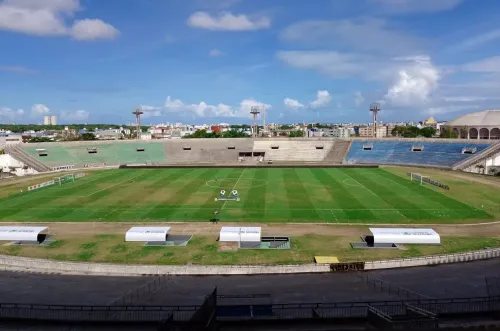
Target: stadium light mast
138 112
255 112
375 108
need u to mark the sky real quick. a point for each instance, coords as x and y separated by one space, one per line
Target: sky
211 61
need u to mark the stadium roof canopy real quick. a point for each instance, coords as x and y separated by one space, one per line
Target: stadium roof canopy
489 118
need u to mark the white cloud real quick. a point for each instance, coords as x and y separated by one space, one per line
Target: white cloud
368 35
10 113
39 109
19 70
49 18
226 21
358 99
151 111
323 99
221 110
75 115
416 6
92 29
417 79
488 65
215 53
292 103
331 63
476 41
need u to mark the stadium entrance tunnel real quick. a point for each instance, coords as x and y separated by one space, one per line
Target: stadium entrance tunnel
243 183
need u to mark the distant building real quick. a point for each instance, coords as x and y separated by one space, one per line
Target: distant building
53 120
340 132
46 120
367 131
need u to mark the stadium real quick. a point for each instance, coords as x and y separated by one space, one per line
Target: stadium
325 227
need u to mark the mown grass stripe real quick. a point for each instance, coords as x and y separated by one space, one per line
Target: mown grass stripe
181 195
42 198
391 197
443 200
296 196
254 199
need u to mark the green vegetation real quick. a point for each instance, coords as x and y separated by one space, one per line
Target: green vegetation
225 134
331 195
295 134
413 132
205 250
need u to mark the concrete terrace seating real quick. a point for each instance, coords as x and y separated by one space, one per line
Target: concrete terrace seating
338 152
206 150
394 152
289 150
111 153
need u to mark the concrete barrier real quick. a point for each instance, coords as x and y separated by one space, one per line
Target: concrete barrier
434 259
15 263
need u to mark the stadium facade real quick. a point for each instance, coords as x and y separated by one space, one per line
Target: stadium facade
479 125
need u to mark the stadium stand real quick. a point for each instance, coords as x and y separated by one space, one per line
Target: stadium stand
338 152
19 154
206 150
478 157
84 153
299 150
405 152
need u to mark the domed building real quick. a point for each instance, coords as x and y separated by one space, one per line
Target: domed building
480 125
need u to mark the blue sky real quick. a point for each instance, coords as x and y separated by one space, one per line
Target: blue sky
210 61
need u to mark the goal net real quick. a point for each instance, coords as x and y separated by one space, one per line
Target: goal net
418 177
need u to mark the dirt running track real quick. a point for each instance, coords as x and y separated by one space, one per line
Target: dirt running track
208 229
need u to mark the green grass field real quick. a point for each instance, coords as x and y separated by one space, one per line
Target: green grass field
333 195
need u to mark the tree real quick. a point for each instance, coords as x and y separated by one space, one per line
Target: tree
88 136
295 134
428 132
39 140
448 133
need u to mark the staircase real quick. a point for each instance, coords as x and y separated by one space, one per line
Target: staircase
17 152
338 152
488 152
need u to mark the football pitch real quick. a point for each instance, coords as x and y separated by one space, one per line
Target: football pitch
293 195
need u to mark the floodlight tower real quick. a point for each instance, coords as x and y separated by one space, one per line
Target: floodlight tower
138 112
255 112
375 108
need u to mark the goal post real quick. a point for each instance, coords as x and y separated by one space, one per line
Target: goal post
418 177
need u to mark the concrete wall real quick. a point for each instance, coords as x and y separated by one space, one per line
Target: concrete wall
434 259
11 165
40 265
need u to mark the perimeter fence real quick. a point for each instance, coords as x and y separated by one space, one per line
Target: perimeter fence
128 314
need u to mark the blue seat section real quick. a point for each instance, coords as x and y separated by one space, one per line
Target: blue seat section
393 152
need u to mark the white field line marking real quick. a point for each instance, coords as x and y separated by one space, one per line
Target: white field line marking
195 208
374 194
429 188
224 204
335 216
444 225
28 194
116 184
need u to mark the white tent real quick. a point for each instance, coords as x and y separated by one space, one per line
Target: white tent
405 236
147 233
245 234
23 233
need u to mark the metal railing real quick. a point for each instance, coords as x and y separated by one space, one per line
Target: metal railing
270 312
384 286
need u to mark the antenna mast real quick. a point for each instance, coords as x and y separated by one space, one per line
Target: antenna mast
375 108
255 112
138 112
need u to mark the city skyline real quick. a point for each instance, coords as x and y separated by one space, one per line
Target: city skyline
210 61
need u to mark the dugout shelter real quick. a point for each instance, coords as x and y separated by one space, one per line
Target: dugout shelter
25 235
404 236
155 236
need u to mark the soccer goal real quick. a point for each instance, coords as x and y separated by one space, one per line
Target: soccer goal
418 177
